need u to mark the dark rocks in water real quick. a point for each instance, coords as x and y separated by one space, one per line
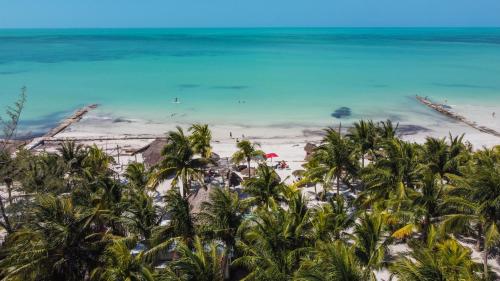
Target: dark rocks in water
411 129
341 112
121 120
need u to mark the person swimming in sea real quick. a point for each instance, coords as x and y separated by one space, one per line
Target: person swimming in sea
176 100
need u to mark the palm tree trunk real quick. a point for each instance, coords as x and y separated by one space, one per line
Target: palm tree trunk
338 185
425 229
485 259
184 186
249 174
227 261
8 183
485 263
8 227
479 236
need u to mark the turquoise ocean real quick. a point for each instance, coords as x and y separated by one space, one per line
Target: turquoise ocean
261 77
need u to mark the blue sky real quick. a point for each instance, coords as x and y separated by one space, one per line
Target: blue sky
249 13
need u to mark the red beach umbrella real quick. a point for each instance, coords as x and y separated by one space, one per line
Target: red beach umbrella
271 155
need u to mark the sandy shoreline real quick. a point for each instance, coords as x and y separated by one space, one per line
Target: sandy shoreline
287 141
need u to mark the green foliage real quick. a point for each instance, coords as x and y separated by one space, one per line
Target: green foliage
68 216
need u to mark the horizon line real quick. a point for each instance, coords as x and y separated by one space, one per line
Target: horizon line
247 27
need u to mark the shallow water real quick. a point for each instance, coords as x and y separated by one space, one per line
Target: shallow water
275 77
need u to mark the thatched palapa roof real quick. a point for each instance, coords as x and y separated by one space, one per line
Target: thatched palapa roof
151 153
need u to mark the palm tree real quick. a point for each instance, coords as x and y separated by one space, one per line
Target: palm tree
179 162
333 159
203 262
436 259
264 188
364 136
392 176
200 139
73 156
473 201
370 243
180 227
137 175
97 162
272 244
332 262
247 151
60 241
331 221
429 200
220 218
117 263
386 130
140 215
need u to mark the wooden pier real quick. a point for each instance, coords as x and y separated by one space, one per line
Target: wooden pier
75 117
447 112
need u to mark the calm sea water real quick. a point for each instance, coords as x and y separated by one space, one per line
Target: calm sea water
247 76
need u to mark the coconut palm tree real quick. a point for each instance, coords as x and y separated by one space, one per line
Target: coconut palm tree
140 215
72 155
117 263
436 259
247 151
200 139
332 262
179 162
137 175
60 241
331 221
272 244
97 162
334 159
370 242
180 226
220 218
474 202
387 130
202 262
364 135
392 176
425 207
265 187
443 158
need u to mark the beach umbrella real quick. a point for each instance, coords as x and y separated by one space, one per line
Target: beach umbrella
271 155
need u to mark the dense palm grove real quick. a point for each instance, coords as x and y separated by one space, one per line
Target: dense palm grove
69 216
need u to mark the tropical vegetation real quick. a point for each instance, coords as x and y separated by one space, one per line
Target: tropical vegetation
67 215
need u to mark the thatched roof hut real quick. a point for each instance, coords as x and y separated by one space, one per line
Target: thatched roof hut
309 148
197 198
151 153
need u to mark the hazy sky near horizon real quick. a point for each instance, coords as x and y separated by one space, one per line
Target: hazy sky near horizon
239 13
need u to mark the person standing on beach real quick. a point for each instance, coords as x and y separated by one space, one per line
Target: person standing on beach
231 134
